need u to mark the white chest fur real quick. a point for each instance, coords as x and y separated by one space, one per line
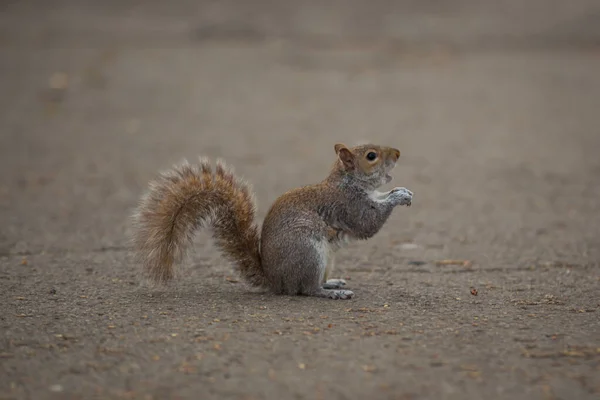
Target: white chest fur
342 240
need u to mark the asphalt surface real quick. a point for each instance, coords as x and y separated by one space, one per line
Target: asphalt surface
494 105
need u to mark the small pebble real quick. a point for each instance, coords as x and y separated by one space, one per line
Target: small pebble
409 246
56 388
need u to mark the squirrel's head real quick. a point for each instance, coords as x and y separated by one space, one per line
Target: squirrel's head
370 164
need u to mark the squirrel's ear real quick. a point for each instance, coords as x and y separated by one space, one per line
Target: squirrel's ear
345 155
338 147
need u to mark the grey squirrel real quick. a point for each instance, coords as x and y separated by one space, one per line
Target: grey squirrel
294 252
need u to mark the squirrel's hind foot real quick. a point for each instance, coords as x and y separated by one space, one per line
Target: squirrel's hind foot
335 294
334 284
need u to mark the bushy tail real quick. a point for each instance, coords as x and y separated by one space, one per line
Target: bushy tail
189 197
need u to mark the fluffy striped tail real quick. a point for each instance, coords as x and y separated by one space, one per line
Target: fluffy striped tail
186 198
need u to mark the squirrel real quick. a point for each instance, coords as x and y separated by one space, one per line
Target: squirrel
293 254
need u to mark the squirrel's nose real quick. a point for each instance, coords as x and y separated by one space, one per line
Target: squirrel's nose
396 154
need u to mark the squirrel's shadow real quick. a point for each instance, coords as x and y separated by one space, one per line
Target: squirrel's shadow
218 295
179 293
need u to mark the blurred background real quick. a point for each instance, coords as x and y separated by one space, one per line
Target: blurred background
495 106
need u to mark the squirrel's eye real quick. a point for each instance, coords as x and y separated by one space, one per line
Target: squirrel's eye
371 156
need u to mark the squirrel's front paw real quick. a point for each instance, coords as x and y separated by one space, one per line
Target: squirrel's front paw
401 196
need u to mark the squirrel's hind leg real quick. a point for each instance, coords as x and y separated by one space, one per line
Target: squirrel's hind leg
328 288
296 263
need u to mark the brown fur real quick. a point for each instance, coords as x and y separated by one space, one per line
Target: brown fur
186 198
